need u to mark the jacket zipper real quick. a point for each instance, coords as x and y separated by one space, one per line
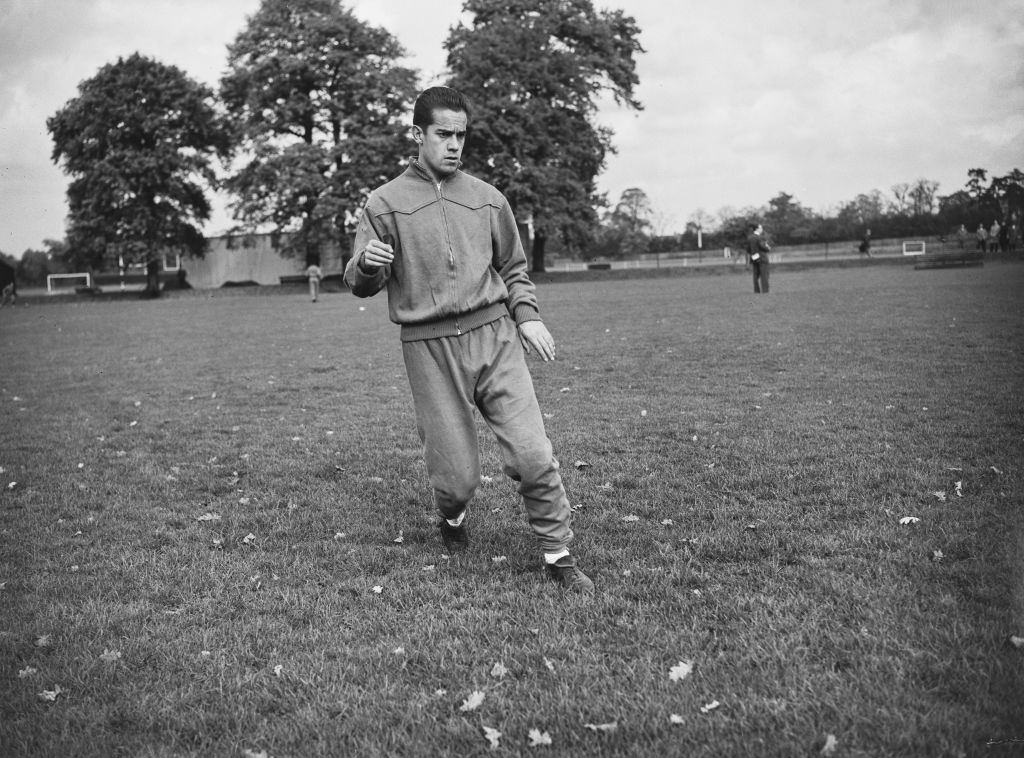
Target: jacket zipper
451 253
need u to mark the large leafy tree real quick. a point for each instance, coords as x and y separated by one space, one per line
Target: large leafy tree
535 71
317 98
139 142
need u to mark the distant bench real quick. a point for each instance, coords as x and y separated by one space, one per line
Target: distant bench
955 258
133 278
334 276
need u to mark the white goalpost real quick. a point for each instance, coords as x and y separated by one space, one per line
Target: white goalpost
913 248
56 282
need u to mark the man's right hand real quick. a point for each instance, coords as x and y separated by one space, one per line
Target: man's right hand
376 254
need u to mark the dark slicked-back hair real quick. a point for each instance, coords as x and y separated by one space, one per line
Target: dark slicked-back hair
436 98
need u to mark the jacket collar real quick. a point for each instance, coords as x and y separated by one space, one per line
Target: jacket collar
416 167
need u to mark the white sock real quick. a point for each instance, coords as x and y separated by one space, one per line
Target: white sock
457 521
550 558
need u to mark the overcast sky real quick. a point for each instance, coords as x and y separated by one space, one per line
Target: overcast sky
743 98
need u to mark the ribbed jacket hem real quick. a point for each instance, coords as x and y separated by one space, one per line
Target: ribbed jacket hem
454 326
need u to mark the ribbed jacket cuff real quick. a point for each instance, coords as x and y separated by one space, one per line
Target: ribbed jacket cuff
524 313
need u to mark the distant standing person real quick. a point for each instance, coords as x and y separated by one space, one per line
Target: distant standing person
865 244
982 236
446 246
993 237
315 274
961 236
8 284
757 253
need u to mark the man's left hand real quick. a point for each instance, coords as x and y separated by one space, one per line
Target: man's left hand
535 336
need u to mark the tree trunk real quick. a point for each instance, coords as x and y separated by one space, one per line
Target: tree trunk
539 241
152 279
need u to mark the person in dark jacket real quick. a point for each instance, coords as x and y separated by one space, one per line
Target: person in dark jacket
865 244
447 248
757 253
8 284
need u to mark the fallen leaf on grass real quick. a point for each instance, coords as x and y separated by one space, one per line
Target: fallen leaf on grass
499 559
995 470
498 671
43 640
398 651
675 718
630 518
28 671
492 736
256 754
278 669
400 538
110 655
12 485
429 567
50 695
958 489
539 738
680 671
939 495
606 486
581 464
909 520
831 743
1017 642
550 665
208 517
484 479
666 522
710 706
249 539
377 589
474 701
609 727
243 501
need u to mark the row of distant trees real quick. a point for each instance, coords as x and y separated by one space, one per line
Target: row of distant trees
633 226
312 114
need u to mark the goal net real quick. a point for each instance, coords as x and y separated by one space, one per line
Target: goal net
67 282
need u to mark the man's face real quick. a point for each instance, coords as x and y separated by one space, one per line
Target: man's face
442 141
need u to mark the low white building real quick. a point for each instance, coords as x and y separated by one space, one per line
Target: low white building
244 258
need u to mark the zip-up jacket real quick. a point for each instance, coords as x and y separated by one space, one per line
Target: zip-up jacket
459 262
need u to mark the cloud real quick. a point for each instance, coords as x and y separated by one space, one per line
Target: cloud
743 99
823 100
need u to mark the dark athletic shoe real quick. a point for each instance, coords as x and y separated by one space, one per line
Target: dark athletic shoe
455 538
565 573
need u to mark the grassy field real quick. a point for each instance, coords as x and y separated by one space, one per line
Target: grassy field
217 538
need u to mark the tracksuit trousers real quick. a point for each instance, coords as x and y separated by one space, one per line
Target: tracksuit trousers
485 369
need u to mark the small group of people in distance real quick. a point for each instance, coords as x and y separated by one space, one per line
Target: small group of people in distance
997 238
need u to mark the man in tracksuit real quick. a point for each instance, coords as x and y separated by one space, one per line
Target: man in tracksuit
446 246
